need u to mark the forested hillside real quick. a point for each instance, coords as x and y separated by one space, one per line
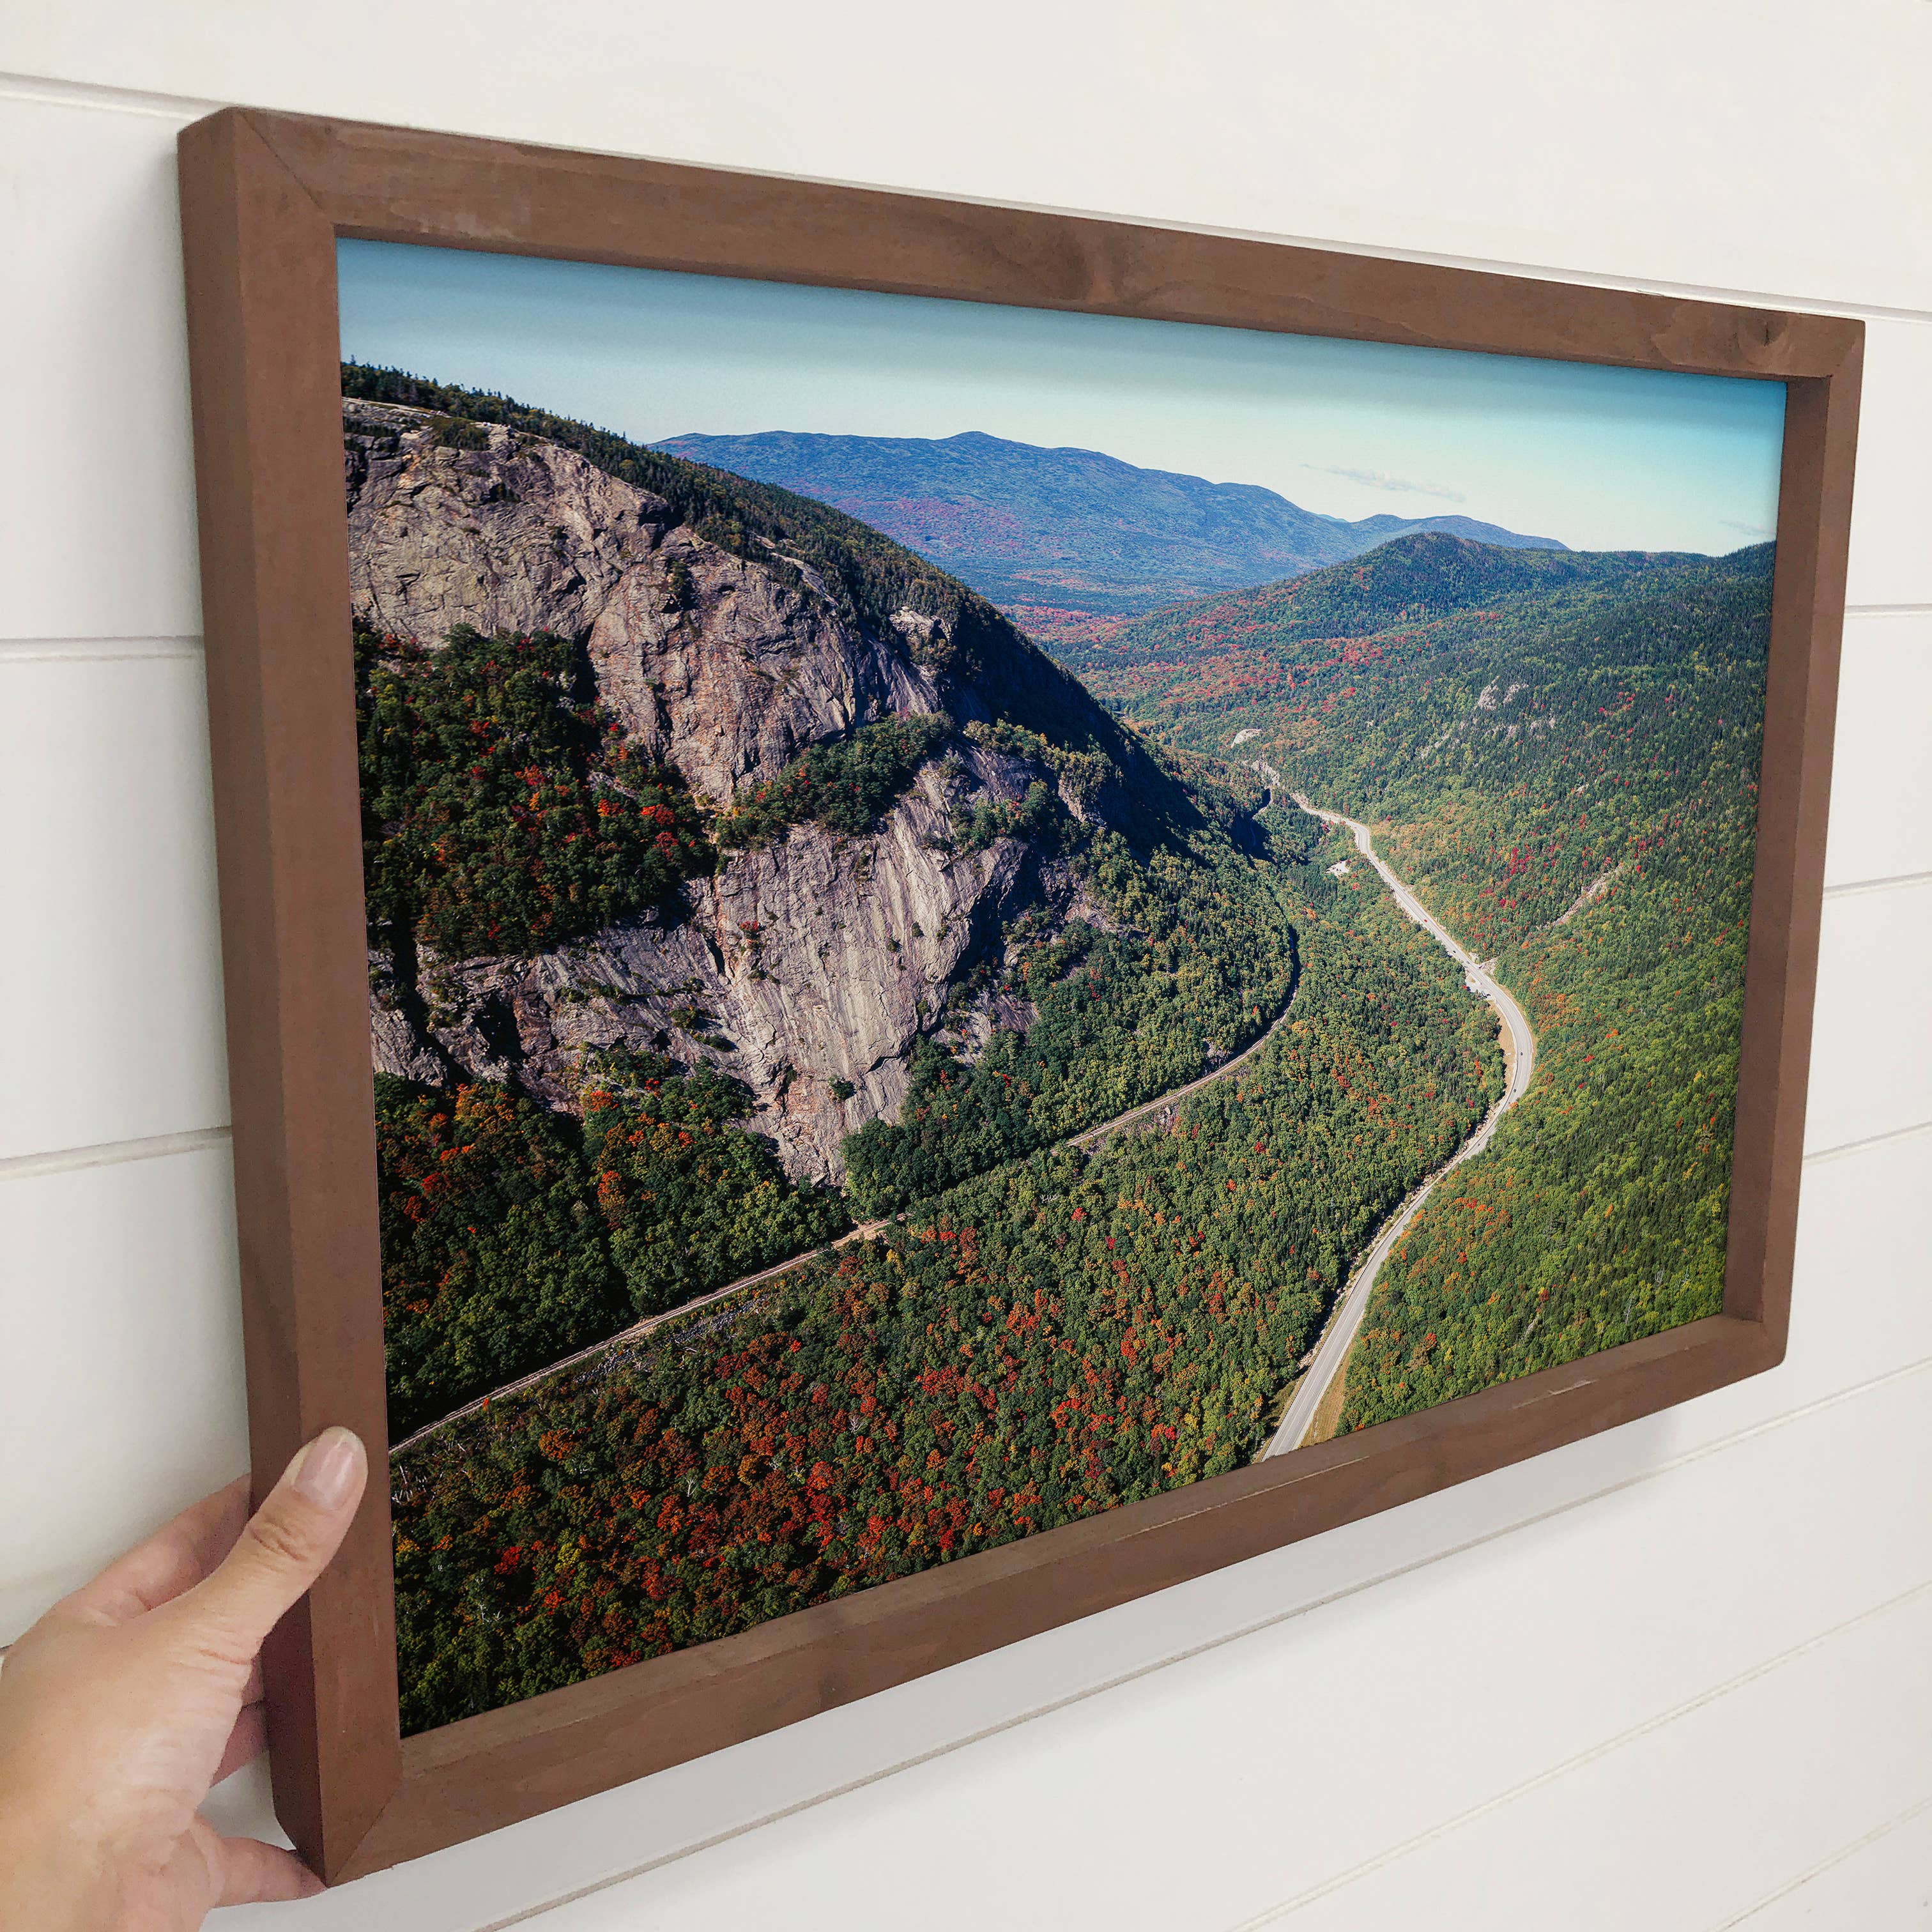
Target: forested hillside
511 1237
1185 669
1560 755
1064 1333
1116 1020
1599 1214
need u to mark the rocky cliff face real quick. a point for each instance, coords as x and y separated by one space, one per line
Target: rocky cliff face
803 967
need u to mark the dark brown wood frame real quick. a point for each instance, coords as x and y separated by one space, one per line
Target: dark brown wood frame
264 198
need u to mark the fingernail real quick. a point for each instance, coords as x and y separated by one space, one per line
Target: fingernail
329 1467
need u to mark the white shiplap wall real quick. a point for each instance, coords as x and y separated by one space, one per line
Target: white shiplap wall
1677 1676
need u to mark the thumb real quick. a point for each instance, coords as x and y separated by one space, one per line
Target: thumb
288 1542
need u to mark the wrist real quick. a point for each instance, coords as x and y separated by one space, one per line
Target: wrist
50 1877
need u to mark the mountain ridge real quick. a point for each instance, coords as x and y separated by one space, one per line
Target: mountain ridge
1412 588
1040 531
733 643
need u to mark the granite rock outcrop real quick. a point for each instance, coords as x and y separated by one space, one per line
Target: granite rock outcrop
807 967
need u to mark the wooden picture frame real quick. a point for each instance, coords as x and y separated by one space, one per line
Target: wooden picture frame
264 197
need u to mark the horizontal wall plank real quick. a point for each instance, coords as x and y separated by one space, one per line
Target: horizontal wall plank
123 1399
1881 823
1859 1311
1871 1040
1891 561
1812 1748
1880 1882
111 978
1859 1303
96 502
1403 125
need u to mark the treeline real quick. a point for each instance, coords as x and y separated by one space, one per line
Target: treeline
1065 1332
1317 658
511 1237
870 581
1516 772
868 575
503 811
845 786
1401 586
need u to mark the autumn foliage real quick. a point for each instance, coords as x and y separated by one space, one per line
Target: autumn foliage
1066 1333
512 1236
1559 751
503 813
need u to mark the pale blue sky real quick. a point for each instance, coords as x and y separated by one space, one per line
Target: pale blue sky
1601 458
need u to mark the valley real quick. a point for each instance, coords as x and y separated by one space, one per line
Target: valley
852 1090
1561 757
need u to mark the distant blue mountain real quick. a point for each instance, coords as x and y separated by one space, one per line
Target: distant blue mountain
1065 531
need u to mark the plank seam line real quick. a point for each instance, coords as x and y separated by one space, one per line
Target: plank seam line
1896 882
1275 1618
94 650
170 107
1845 1148
1582 1759
1826 1864
110 1154
99 96
190 644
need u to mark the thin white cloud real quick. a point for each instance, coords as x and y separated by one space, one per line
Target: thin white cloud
1744 529
1381 479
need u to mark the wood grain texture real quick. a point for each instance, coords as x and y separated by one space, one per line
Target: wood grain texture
264 197
275 560
1807 612
397 184
490 1771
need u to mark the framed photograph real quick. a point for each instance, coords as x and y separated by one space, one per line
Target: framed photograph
933 915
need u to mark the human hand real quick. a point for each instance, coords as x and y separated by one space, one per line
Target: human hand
129 1699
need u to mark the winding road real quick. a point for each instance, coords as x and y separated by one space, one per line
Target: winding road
865 1232
1331 1352
1147 1112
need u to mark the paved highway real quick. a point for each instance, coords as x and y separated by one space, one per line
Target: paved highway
1349 1315
1339 1337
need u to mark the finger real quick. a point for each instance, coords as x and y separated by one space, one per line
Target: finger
249 1873
285 1545
175 1558
246 1742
